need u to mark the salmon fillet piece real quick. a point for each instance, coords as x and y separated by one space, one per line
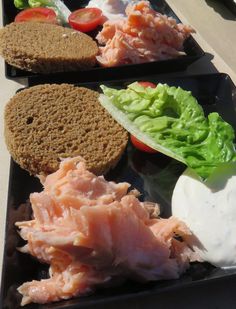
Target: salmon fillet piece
90 231
144 36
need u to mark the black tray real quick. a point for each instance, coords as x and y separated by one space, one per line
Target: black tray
192 49
154 175
231 5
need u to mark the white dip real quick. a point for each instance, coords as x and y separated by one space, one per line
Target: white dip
112 9
211 215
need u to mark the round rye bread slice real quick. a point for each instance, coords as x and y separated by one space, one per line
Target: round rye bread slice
46 48
46 123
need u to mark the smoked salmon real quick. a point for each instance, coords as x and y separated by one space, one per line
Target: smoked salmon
144 35
89 231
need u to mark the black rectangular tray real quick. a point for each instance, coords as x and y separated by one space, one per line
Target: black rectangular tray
192 49
231 5
154 175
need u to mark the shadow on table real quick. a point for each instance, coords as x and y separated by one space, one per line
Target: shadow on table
221 7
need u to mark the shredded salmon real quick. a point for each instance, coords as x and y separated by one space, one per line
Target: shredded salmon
145 35
90 231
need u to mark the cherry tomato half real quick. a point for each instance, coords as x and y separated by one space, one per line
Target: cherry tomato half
86 19
147 84
140 145
37 14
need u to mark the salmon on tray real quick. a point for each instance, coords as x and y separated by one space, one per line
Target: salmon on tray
105 219
108 37
91 231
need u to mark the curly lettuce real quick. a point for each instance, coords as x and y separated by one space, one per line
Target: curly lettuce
170 120
21 4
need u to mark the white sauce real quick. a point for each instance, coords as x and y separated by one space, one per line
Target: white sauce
211 216
112 9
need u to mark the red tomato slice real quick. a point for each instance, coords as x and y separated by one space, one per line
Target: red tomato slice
147 84
86 19
141 146
37 14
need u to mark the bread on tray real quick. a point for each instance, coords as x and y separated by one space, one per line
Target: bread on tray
46 48
48 122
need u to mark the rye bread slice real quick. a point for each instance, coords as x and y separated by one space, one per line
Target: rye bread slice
47 122
46 48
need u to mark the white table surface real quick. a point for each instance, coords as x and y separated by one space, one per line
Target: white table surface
216 33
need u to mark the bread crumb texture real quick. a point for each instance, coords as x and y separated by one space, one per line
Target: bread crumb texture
46 48
47 122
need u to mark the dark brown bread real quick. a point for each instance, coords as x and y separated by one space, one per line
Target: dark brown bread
46 48
47 122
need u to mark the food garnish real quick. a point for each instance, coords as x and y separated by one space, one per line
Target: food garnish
21 4
86 19
137 143
141 146
57 5
38 15
147 84
170 120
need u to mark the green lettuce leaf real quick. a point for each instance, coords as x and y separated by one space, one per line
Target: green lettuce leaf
170 120
21 4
